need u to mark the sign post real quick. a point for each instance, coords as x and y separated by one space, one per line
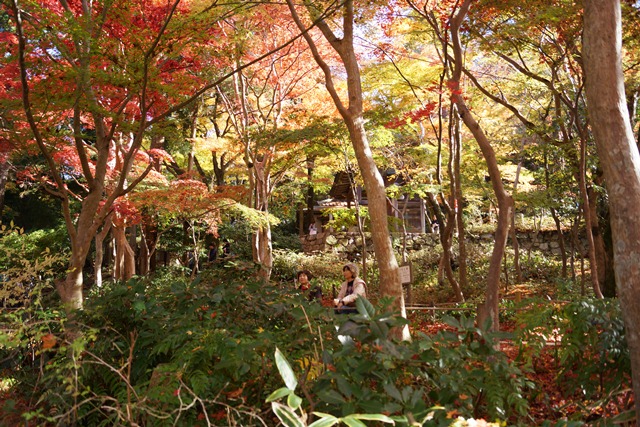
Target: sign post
405 278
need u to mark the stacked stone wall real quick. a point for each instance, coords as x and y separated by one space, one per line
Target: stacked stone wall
546 241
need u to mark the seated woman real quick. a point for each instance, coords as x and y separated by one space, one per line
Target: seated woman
352 288
304 285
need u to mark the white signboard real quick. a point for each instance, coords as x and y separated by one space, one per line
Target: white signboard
405 273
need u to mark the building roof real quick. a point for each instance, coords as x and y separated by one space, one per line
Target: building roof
341 188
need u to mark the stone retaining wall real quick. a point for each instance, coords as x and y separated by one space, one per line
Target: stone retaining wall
546 241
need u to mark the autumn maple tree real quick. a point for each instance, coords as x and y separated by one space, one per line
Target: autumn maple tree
350 107
85 82
424 129
260 103
548 62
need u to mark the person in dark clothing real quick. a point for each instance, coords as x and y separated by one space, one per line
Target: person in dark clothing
213 253
226 249
303 277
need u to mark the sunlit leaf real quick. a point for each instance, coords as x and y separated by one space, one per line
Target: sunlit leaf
286 415
286 372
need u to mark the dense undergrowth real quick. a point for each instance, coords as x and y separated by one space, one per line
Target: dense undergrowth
168 351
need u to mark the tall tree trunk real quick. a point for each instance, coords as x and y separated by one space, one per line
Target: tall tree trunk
149 238
262 243
514 234
263 251
619 158
193 132
445 262
556 219
143 255
70 289
353 118
310 191
454 139
377 202
82 234
601 232
360 222
489 310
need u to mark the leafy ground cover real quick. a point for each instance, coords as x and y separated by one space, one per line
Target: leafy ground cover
170 351
551 401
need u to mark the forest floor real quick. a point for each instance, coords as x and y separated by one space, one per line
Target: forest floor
551 402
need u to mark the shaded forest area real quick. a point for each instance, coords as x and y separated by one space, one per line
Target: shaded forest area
164 165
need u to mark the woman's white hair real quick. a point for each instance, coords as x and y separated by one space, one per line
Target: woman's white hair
353 268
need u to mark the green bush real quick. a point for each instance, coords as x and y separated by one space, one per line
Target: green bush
31 254
429 380
588 341
166 351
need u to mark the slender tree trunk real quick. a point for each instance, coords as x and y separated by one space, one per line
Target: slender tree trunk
576 246
195 253
133 244
262 244
143 256
563 250
402 212
516 248
593 263
454 138
514 234
489 310
359 219
353 118
125 261
193 132
619 158
99 257
445 262
310 191
149 238
5 165
462 247
556 220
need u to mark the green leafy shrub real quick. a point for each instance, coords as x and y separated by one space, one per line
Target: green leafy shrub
593 330
465 371
166 351
28 328
457 371
430 381
588 341
27 260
